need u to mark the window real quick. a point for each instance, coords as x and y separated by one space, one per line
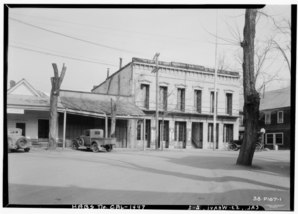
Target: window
228 133
198 101
139 130
268 118
181 99
212 101
145 95
87 133
229 102
274 138
163 97
280 117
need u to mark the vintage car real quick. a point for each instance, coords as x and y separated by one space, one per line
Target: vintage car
16 141
93 139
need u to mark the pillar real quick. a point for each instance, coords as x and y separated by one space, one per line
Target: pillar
205 135
188 135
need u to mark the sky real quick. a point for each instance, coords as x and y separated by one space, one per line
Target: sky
90 41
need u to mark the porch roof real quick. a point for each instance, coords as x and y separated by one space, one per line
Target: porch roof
98 103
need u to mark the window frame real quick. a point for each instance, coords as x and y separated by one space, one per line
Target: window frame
274 138
280 120
268 115
181 99
229 103
145 97
198 108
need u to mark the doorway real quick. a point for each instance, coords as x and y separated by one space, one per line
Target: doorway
43 129
180 133
163 133
197 135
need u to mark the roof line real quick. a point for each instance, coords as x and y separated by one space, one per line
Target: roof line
87 92
111 76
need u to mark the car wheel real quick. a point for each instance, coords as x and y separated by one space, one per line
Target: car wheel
94 147
27 149
109 148
22 143
75 145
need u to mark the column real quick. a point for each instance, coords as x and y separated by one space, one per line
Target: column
153 134
205 135
172 134
188 135
221 145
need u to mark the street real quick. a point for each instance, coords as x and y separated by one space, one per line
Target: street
176 177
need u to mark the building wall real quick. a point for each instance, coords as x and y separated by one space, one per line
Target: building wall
136 74
30 118
122 78
275 127
190 81
175 79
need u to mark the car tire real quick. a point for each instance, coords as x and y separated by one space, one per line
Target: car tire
22 143
94 147
27 149
75 145
109 148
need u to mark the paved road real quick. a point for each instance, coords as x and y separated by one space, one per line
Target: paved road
149 177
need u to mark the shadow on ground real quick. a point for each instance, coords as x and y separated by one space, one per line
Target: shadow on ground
43 195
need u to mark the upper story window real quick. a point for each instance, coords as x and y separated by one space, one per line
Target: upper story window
145 95
181 99
268 118
198 101
280 117
163 97
229 103
212 101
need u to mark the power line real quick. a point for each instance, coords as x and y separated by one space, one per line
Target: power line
71 37
67 57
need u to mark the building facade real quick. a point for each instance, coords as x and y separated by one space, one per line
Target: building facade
186 103
275 109
29 109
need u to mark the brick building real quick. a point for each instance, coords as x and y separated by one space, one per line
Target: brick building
186 103
275 109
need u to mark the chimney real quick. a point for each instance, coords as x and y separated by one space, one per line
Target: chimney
108 73
120 65
12 83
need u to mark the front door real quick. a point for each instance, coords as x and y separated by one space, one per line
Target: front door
197 135
43 129
163 133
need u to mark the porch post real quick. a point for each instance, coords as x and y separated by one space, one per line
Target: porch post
144 133
64 128
106 127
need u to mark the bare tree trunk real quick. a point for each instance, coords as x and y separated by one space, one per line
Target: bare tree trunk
251 96
53 123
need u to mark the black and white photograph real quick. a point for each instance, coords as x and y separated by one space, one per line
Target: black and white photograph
149 107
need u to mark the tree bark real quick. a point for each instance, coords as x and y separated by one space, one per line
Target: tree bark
251 96
56 82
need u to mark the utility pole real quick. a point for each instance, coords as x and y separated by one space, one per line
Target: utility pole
215 89
157 99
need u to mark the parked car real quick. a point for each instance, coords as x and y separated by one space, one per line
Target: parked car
93 139
16 141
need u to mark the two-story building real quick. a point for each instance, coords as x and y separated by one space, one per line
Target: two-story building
186 103
275 111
